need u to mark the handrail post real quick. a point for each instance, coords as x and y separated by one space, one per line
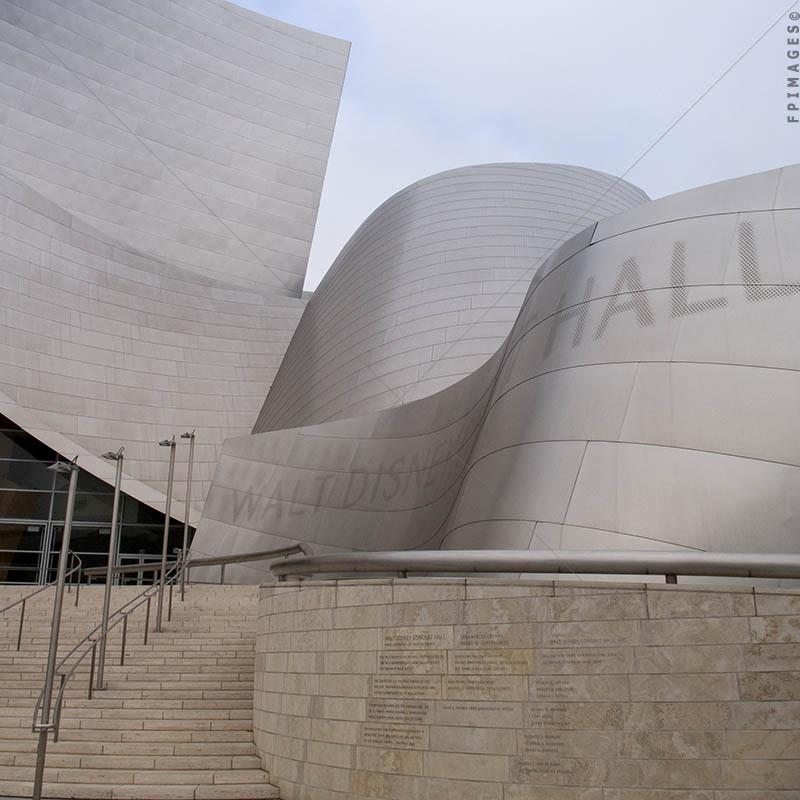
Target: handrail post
147 619
21 620
91 668
162 576
58 601
124 639
185 548
169 606
112 550
78 587
57 717
222 573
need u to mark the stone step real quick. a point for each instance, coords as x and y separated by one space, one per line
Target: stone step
130 777
174 722
249 763
93 791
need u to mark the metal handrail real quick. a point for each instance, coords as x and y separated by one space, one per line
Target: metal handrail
259 555
222 561
624 562
23 600
91 640
154 566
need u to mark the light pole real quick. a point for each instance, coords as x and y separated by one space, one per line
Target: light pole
160 606
112 554
47 539
44 726
184 553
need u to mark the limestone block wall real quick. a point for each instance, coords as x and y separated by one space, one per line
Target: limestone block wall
519 690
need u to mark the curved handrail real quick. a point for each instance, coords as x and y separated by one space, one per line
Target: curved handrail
73 557
123 569
76 567
240 558
91 640
258 555
623 562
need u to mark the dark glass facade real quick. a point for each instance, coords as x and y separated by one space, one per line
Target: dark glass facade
32 505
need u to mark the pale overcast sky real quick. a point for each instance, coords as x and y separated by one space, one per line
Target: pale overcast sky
437 84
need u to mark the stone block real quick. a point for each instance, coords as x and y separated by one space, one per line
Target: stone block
440 612
349 639
775 629
773 605
425 592
682 604
503 610
469 767
382 759
617 606
472 740
731 630
769 685
690 658
363 594
549 688
606 633
684 687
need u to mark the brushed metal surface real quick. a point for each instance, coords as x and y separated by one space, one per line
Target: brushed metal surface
161 165
643 400
569 562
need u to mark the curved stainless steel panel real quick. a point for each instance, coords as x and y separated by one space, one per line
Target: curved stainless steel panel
428 287
195 130
160 171
644 399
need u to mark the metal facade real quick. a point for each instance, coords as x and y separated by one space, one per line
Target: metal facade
161 165
645 399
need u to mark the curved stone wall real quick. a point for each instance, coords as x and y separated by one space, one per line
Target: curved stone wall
645 398
470 689
428 287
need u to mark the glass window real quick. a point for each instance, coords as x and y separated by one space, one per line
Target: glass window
26 493
27 475
18 444
24 505
19 552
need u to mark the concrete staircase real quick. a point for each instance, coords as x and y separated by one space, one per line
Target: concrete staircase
174 722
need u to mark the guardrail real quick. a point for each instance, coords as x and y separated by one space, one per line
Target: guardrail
66 668
261 555
624 562
124 569
212 561
75 568
89 643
